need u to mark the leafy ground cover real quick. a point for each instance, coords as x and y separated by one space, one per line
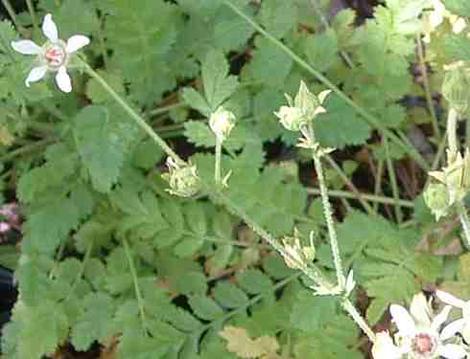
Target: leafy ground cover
117 255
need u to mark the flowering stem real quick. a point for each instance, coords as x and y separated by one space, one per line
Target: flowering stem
218 158
427 90
324 80
452 130
453 148
328 213
32 13
464 220
134 115
310 270
357 317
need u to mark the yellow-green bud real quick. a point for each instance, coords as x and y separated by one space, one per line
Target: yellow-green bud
436 197
182 179
455 88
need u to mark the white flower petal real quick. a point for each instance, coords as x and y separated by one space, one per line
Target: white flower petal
440 318
451 329
450 299
76 42
451 351
26 47
420 310
403 320
36 74
63 80
49 28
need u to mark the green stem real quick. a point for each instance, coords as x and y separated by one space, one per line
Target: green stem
12 14
427 89
324 80
349 184
310 270
165 109
328 213
463 216
378 183
32 13
357 317
82 270
393 182
133 114
138 294
218 159
368 197
452 131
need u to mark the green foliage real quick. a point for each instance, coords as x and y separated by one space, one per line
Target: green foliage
107 257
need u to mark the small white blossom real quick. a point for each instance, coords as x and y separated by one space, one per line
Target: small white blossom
221 123
461 304
420 335
53 56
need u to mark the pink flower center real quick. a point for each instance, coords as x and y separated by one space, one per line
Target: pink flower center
55 56
423 344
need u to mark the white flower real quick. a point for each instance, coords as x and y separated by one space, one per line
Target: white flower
291 118
53 56
384 348
221 123
463 305
419 334
436 17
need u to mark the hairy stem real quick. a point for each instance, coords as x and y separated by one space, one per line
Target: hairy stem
328 213
358 318
218 158
464 220
310 270
393 181
324 80
452 131
134 115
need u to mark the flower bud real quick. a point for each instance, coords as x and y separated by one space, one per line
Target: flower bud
221 123
291 118
455 88
310 104
305 107
436 197
298 256
182 179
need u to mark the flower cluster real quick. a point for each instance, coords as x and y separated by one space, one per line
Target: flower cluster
421 334
53 56
298 256
182 178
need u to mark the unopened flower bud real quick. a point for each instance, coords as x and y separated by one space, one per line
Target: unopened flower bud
310 104
291 118
222 122
298 256
455 88
305 107
436 197
183 179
